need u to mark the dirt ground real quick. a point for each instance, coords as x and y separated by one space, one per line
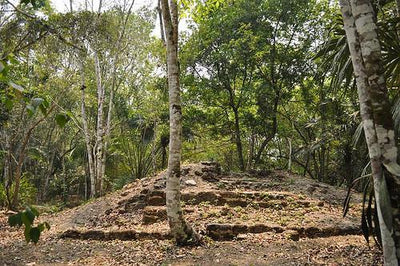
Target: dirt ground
268 218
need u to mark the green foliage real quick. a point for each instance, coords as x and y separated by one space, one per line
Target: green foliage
36 4
28 191
26 218
241 75
136 153
62 119
121 181
3 197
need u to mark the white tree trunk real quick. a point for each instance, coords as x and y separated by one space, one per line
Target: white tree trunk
99 146
86 133
359 24
181 231
363 13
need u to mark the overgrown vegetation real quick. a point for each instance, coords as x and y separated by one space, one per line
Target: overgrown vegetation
84 99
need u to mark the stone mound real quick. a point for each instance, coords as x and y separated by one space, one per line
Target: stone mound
219 205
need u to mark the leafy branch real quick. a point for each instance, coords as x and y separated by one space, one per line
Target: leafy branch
26 218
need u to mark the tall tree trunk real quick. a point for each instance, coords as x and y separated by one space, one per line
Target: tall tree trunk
100 127
182 232
86 133
114 87
376 116
371 53
238 140
106 138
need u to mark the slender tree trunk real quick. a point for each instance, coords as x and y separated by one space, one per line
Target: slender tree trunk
154 147
48 176
182 232
290 154
7 161
322 164
100 127
106 138
238 140
250 155
7 168
86 133
375 112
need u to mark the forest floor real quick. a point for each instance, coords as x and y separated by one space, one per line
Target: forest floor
255 218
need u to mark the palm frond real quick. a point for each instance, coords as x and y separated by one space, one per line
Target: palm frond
357 134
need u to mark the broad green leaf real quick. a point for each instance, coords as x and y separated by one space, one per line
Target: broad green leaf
15 220
41 227
44 106
27 217
27 233
34 234
62 119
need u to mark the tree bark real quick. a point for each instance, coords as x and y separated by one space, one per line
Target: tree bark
238 139
86 133
371 53
7 167
99 146
375 112
182 232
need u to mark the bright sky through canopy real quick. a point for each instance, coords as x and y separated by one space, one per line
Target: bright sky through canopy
63 5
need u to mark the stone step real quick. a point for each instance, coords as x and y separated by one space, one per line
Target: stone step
230 231
266 199
231 198
153 214
218 232
114 235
